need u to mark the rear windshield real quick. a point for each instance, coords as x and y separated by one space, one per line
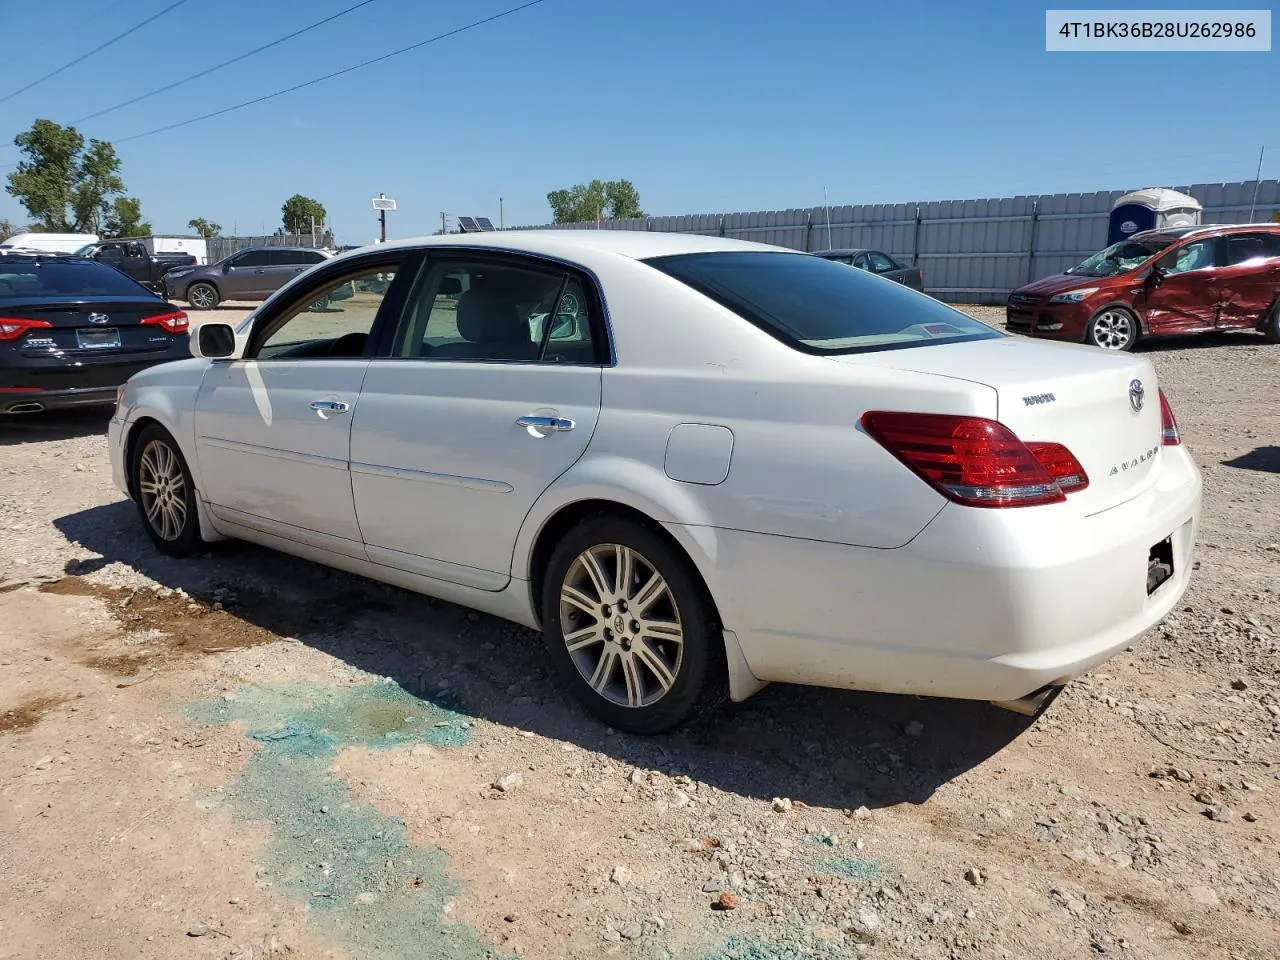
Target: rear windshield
821 306
62 278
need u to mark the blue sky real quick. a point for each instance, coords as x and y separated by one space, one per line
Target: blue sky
706 105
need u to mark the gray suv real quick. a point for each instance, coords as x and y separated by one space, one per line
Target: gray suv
252 274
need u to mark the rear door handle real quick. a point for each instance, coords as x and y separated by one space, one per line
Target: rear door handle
327 408
542 426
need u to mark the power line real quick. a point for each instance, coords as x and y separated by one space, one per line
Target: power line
330 76
225 63
97 49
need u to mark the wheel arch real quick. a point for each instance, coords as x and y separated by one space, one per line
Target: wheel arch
633 491
133 430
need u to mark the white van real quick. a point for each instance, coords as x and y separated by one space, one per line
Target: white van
49 242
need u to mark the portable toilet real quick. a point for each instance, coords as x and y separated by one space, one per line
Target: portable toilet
1150 208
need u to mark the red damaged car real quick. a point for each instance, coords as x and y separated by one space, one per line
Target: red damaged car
1170 281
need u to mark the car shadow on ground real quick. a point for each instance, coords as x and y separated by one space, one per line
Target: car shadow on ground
823 747
1262 459
54 425
1200 341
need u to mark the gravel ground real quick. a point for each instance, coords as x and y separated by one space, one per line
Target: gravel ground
248 756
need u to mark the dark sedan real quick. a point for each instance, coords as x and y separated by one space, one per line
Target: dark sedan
72 330
873 261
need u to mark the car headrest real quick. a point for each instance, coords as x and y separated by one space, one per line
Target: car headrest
485 317
449 287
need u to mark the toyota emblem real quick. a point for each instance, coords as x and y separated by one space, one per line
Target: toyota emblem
98 318
1137 395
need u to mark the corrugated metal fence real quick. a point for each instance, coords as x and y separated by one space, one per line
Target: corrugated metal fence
220 247
971 251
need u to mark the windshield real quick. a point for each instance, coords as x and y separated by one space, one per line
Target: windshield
1118 258
821 306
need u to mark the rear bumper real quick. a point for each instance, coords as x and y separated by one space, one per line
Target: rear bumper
37 401
983 604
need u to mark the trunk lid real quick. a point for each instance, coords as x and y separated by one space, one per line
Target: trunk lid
103 328
1070 394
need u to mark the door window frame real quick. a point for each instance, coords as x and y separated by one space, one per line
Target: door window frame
272 317
893 264
597 316
1218 246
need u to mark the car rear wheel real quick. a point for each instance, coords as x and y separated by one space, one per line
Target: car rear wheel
165 494
1113 329
203 296
630 627
1271 325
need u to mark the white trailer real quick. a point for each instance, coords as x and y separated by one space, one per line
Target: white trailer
196 246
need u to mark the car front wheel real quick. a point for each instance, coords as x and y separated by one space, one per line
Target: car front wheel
203 296
1113 329
164 492
630 627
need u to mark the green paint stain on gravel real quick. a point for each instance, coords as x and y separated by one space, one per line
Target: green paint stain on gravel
742 948
366 886
853 868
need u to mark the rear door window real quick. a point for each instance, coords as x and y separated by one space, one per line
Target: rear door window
817 306
1243 247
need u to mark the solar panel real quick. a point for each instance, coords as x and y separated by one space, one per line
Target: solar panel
383 203
468 225
485 223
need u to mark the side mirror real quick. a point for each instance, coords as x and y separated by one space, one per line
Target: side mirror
1155 277
226 268
214 341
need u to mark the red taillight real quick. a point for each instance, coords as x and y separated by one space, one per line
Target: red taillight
1061 464
175 322
975 461
11 328
1169 435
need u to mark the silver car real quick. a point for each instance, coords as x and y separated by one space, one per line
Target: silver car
252 274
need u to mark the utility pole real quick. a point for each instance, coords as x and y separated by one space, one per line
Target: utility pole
382 221
502 220
313 231
444 223
1257 181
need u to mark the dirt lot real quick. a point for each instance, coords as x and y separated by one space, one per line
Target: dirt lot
248 756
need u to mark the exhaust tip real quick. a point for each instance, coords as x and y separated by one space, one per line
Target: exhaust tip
28 407
1033 704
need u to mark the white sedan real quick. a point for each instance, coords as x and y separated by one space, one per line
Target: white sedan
698 465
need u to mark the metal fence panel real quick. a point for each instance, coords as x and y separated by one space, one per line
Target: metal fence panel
971 251
222 247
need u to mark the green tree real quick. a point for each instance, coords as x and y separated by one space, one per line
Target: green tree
124 219
298 211
206 228
591 201
7 229
63 185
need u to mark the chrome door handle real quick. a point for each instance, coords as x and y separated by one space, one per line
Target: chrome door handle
545 425
324 408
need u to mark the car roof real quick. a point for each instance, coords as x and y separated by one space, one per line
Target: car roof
572 243
844 251
1178 233
277 247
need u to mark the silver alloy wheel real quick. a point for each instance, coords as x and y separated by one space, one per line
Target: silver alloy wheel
1112 330
202 297
621 625
163 490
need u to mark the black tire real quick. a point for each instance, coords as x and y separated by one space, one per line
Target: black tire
1104 329
698 678
1271 325
149 466
206 293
